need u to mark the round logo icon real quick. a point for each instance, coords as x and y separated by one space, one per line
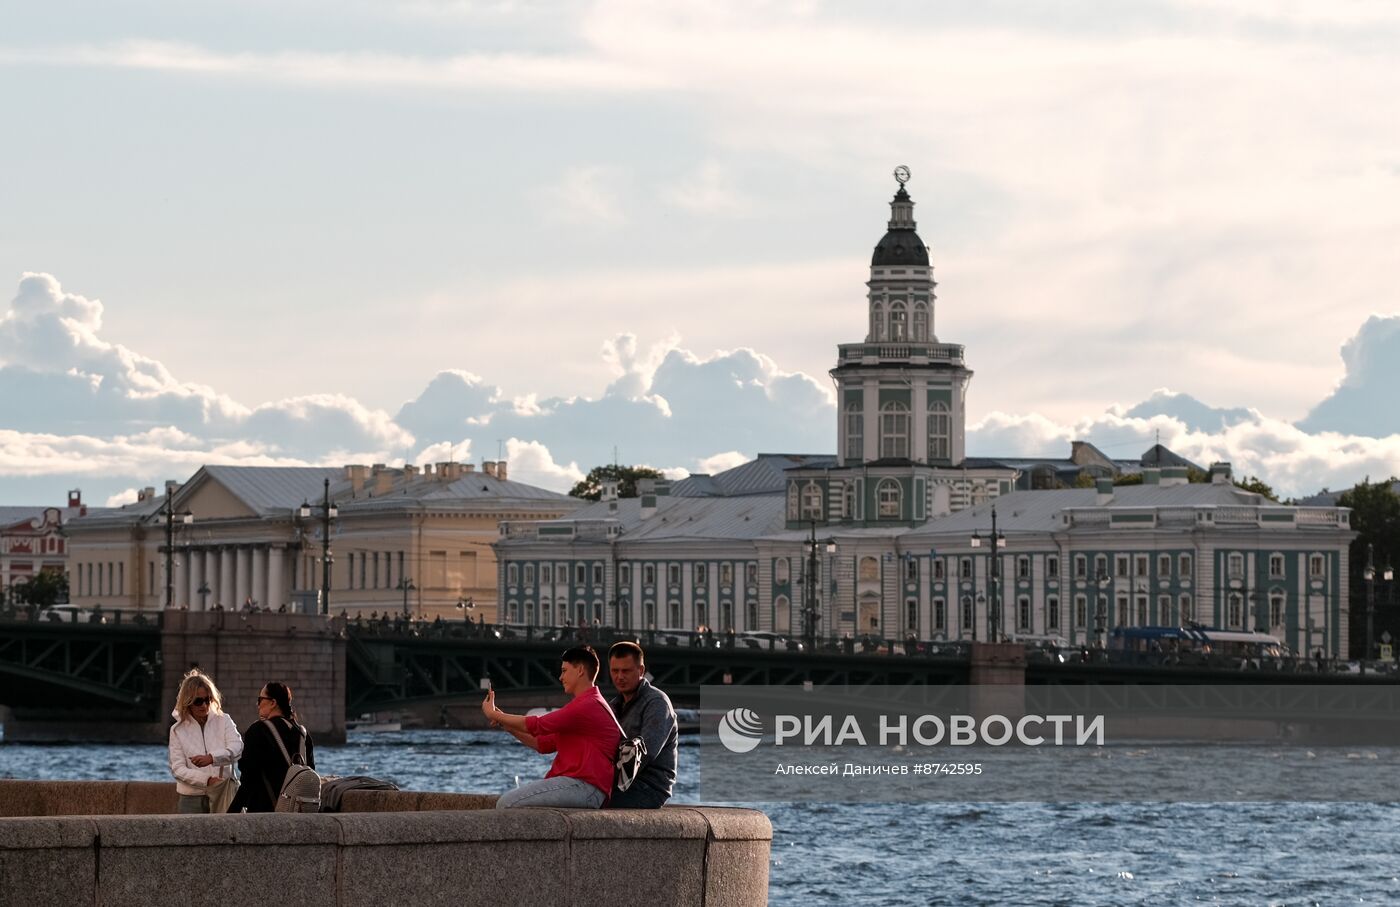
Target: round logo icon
740 730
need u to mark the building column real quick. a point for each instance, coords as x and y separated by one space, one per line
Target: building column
226 564
259 590
276 591
194 574
211 577
240 577
177 586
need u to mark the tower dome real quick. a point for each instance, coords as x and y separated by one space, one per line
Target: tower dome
900 244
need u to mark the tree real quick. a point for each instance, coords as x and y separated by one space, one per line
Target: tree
626 477
1257 486
1375 515
45 589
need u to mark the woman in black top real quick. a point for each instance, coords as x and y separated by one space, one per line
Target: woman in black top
262 765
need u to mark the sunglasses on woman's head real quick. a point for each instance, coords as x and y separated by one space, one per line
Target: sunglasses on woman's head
201 700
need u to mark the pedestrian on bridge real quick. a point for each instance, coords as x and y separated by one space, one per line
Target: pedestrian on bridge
204 742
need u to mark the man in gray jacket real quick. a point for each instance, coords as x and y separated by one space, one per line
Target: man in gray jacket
646 712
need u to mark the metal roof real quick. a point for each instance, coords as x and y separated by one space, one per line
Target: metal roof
678 519
273 489
762 475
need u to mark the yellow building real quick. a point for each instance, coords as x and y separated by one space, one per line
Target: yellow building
401 539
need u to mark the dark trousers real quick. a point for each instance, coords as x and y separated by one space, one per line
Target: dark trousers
638 796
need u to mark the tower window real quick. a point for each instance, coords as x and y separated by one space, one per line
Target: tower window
920 323
855 433
898 325
889 495
811 501
894 431
938 431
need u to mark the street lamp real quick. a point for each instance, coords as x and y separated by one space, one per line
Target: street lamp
328 513
810 614
998 540
171 518
466 606
405 586
1369 574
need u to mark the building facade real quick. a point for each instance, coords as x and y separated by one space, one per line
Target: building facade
890 537
32 542
403 540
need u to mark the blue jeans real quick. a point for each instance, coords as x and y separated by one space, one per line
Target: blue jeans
198 803
566 793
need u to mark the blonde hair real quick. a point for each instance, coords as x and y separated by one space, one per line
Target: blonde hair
190 686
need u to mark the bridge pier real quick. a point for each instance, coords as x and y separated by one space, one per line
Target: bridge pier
997 675
244 650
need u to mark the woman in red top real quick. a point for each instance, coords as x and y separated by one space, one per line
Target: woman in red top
583 734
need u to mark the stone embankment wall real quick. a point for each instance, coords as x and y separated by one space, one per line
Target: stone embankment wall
116 843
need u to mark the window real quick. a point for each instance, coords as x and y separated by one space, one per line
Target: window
1121 565
965 568
920 323
1164 565
877 322
1081 566
811 501
1164 611
673 574
546 573
855 432
648 574
1315 565
940 615
889 494
793 504
869 569
751 574
1140 565
938 568
1023 567
911 568
782 615
512 574
1275 609
894 431
1236 566
673 614
512 612
1276 566
726 615
911 614
939 435
701 572
1052 565
1142 610
898 322
726 574
529 574
1188 612
1122 610
751 615
1023 613
968 619
624 574
1052 613
1235 610
1081 611
702 613
780 570
580 574
649 614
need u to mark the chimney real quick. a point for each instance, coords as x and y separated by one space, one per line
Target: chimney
1151 475
428 471
410 472
75 497
1173 476
609 492
648 508
383 481
489 467
1105 491
357 475
145 494
449 471
1220 473
468 468
172 486
501 470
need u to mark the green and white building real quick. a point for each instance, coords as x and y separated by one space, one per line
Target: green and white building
886 527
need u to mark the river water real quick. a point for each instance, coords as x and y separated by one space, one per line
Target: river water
927 853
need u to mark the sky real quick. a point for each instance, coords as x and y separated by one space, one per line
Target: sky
310 232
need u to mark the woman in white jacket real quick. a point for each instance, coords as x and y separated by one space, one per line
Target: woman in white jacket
204 742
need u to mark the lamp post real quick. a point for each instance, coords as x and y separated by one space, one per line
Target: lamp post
1101 580
328 513
466 606
810 612
1369 574
405 586
171 517
998 540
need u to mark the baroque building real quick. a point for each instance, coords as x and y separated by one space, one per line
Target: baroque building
889 537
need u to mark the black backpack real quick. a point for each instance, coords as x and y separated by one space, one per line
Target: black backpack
301 786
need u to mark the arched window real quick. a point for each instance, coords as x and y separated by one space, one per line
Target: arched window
855 432
702 613
751 615
792 502
968 618
726 616
812 502
649 614
673 615
848 501
869 569
1276 601
899 327
939 433
920 323
894 431
877 322
512 612
911 615
889 495
512 575
546 614
1235 614
780 570
782 615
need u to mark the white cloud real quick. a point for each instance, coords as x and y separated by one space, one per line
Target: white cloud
531 463
720 462
1364 400
583 196
708 190
122 498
